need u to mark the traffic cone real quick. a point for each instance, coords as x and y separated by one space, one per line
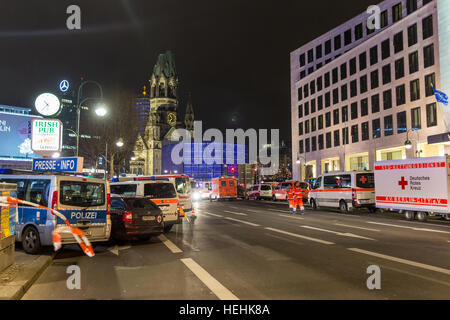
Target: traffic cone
193 212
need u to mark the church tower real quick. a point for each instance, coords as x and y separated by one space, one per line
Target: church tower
189 117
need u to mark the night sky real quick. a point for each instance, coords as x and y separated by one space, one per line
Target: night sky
233 56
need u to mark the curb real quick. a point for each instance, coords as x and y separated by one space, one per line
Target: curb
28 274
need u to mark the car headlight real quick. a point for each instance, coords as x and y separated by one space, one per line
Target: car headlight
196 196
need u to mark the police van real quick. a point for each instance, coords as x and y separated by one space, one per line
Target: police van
85 202
161 192
344 190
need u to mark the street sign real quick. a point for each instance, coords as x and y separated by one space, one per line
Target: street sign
74 164
46 136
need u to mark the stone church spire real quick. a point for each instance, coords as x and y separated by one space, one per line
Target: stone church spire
189 116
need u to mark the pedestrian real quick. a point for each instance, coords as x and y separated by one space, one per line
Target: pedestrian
291 198
298 198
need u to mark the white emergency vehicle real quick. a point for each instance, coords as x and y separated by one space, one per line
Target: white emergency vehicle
343 190
416 187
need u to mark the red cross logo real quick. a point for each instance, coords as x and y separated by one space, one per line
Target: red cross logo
403 183
338 181
363 179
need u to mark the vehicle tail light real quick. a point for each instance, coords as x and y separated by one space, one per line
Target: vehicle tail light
159 219
55 200
127 216
108 204
353 194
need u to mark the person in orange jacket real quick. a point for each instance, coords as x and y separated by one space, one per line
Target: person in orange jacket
298 198
291 198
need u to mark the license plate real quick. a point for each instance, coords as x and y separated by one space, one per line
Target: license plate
164 208
148 218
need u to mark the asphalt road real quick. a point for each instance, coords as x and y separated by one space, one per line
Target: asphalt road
257 250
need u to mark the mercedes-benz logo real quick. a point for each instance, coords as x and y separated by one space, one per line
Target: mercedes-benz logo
64 85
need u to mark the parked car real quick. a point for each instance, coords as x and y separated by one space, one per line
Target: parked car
260 191
241 192
281 191
135 217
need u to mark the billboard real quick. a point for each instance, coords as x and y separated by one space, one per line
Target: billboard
46 136
15 136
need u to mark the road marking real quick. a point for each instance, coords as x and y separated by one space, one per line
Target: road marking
362 228
213 214
405 227
258 211
417 275
169 244
290 216
404 261
215 286
117 248
241 221
276 210
299 236
237 213
351 235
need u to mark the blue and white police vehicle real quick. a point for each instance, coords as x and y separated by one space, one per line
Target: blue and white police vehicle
85 202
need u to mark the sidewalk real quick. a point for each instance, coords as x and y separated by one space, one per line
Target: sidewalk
18 278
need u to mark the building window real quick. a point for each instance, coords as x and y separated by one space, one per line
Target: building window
397 12
300 128
352 66
343 71
327 79
401 122
374 79
312 87
376 128
319 102
327 100
310 55
314 144
384 19
336 138
411 6
319 51
353 88
335 116
369 31
307 145
337 42
300 146
306 91
412 35
362 61
335 95
310 70
327 119
344 93
319 83
388 129
364 107
415 90
375 103
320 141
386 71
313 105
348 37
400 95
302 60
398 42
431 115
399 68
373 55
365 131
415 118
335 74
429 83
387 99
385 49
327 47
354 110
358 31
302 74
427 27
344 136
363 84
313 124
354 132
413 62
300 111
344 112
428 56
320 122
306 126
300 93
328 140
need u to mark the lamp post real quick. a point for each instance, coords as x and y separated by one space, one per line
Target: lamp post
79 103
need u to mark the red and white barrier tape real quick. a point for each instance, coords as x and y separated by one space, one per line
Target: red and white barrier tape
79 236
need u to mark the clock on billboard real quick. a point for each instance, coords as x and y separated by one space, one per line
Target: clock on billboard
172 118
47 104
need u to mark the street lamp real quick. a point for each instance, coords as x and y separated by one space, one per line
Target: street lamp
408 144
119 143
79 103
101 110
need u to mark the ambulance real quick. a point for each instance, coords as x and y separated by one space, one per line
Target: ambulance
223 188
344 191
417 187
